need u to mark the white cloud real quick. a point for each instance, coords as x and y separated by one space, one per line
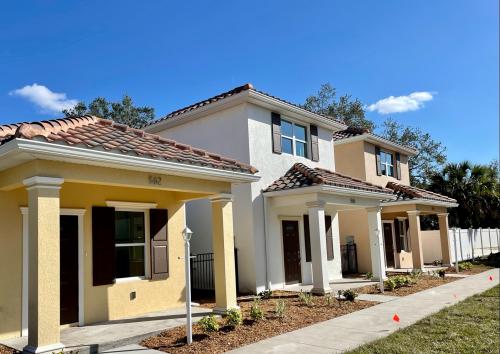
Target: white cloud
414 101
43 97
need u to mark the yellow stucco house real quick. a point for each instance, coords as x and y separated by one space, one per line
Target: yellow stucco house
91 216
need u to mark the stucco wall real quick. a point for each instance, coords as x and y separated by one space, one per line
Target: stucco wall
355 223
431 246
349 159
371 168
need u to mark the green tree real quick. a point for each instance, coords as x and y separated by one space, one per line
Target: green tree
123 112
350 111
477 190
431 153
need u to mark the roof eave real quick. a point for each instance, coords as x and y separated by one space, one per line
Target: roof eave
422 201
377 141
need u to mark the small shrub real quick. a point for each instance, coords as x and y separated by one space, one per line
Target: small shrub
209 324
442 273
233 317
464 266
390 284
256 312
437 262
350 295
265 294
306 299
280 308
398 281
369 275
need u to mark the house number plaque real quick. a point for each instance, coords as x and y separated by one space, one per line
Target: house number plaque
155 180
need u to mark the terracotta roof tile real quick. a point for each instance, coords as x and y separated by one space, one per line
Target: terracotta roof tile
300 176
99 134
404 192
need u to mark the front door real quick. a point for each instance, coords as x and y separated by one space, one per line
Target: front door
69 269
291 251
389 246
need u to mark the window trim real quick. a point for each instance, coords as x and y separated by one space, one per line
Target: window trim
137 208
294 139
386 164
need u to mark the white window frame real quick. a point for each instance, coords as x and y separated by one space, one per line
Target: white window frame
386 164
294 139
403 235
138 208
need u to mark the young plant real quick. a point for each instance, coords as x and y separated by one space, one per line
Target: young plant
390 284
256 312
209 324
330 300
265 294
350 295
280 308
306 299
442 273
233 317
369 275
464 266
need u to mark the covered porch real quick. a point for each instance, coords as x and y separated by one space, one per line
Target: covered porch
302 226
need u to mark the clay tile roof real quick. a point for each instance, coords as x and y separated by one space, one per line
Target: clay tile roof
221 96
300 176
99 134
404 192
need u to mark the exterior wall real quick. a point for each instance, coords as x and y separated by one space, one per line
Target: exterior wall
355 223
11 258
371 168
349 159
431 246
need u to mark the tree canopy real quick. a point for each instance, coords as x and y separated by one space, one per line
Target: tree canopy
346 109
123 112
476 188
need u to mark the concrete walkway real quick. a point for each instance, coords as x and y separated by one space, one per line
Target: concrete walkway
352 330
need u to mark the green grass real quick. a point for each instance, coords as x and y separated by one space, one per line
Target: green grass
471 326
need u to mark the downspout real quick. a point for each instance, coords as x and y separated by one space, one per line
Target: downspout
266 244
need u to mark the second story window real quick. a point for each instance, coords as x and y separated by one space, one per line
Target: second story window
293 138
387 163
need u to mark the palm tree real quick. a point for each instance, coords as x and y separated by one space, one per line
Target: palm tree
477 190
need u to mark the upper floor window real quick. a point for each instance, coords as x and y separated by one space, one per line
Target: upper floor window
387 163
293 138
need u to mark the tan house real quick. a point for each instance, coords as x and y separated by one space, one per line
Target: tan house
92 214
376 160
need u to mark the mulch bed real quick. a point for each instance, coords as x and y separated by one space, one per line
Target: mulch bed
7 350
297 315
476 269
424 282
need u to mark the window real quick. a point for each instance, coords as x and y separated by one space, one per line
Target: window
130 244
293 139
387 163
403 236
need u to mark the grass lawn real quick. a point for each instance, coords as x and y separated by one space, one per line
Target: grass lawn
471 326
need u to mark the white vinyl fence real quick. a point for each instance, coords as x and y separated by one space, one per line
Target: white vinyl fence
471 243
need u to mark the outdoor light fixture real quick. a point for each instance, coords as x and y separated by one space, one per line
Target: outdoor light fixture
186 235
380 277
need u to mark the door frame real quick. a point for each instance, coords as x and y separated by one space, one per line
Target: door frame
394 250
81 271
298 219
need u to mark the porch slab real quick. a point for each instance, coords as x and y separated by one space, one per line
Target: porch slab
105 336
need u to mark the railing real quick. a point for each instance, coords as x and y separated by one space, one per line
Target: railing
202 271
349 258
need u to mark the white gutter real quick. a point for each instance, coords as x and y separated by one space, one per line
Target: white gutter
51 151
420 201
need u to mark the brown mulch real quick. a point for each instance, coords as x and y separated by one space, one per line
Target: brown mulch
424 282
297 315
7 350
476 269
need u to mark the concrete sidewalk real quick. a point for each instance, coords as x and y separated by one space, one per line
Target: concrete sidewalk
352 330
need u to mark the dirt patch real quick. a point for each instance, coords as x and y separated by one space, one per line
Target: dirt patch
424 282
297 315
7 350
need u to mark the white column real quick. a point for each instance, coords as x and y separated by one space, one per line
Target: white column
321 284
376 243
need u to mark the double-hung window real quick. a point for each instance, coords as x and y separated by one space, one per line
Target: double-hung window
130 244
387 163
293 138
403 235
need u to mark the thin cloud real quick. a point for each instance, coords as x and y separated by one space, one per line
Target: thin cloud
413 102
44 98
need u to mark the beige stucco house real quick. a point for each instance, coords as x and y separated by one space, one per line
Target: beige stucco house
92 214
373 159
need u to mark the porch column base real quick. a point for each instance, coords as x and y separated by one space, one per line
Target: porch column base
56 347
321 291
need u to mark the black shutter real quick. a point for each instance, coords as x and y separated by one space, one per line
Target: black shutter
307 238
276 132
158 221
329 237
103 245
398 165
377 160
314 143
408 236
398 238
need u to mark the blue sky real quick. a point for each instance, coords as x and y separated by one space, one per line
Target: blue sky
167 54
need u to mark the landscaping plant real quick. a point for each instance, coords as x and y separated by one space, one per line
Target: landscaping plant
280 308
233 317
369 275
442 273
464 266
209 324
350 294
306 298
265 294
256 312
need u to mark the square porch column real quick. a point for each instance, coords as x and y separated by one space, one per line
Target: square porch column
43 264
416 239
376 243
317 231
445 240
223 247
